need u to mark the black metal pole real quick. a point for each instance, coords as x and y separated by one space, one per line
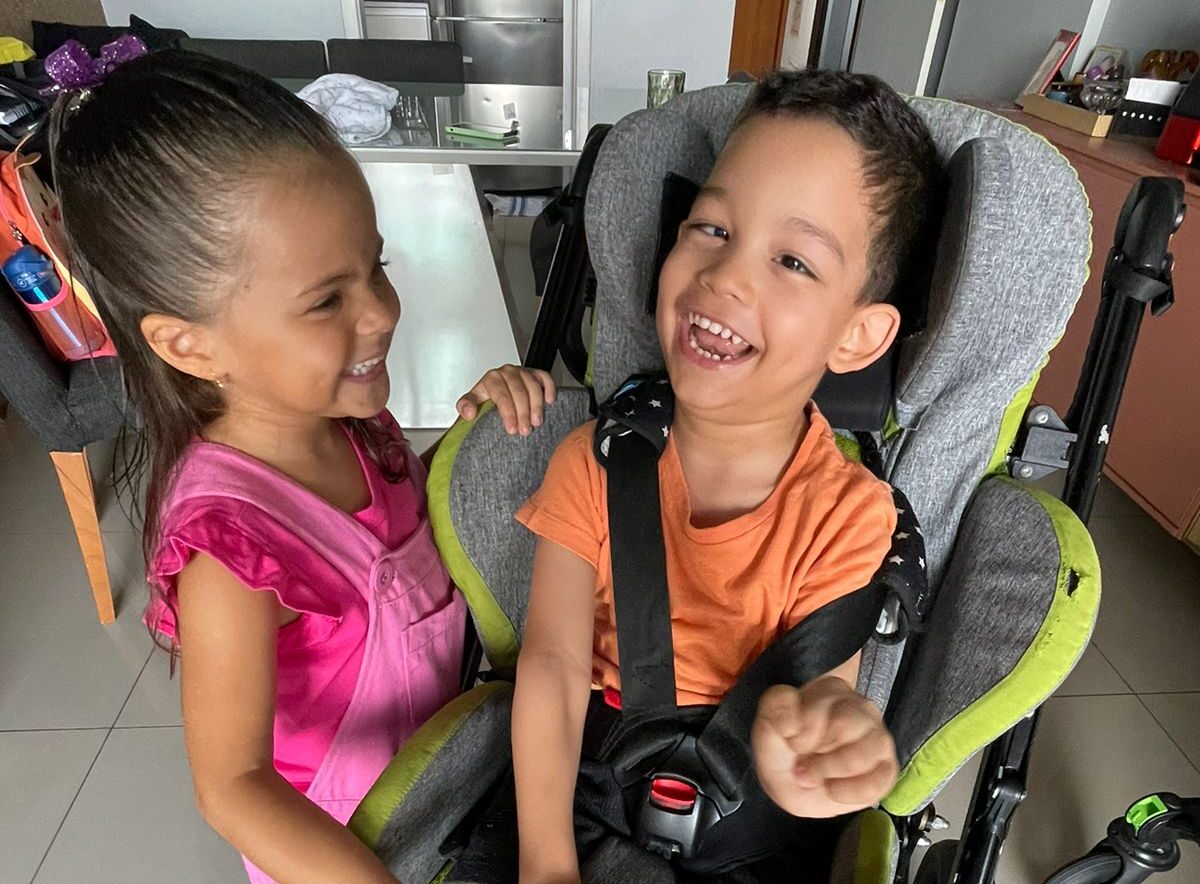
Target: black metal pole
1137 275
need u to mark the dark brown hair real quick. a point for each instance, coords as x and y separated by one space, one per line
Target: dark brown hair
900 161
151 169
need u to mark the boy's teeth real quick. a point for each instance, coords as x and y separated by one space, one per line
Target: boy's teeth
701 321
707 354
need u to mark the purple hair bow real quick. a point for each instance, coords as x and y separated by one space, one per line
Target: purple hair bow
72 68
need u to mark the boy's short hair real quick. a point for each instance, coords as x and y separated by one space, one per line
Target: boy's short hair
900 161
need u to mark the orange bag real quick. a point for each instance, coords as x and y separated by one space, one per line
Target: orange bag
31 212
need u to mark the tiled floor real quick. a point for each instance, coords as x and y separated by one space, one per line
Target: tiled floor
96 786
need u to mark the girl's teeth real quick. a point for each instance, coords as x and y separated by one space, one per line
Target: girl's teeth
726 333
738 340
364 367
703 322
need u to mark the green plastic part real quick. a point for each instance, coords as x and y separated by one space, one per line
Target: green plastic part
1141 812
875 861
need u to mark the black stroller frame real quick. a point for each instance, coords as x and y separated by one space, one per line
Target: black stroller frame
1137 274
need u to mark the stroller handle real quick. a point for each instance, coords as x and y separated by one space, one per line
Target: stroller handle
1141 843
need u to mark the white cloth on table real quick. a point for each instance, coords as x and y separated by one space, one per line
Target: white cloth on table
360 110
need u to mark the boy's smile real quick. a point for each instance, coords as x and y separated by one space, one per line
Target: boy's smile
761 292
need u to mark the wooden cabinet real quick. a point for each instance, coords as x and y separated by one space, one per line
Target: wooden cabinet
1154 455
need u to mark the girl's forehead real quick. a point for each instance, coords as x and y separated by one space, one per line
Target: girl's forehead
304 225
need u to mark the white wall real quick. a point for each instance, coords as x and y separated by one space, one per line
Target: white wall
797 36
996 45
1139 26
892 39
629 37
263 19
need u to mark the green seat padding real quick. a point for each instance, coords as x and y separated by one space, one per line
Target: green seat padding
1011 619
443 770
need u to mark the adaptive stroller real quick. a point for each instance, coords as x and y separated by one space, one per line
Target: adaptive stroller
1013 580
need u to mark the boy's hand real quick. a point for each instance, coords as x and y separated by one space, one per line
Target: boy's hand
520 395
822 750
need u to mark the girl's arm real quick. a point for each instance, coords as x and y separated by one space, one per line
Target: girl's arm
554 677
227 639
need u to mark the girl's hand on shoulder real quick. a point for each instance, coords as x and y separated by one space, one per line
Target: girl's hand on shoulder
520 395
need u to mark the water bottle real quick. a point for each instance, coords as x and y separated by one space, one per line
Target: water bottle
64 324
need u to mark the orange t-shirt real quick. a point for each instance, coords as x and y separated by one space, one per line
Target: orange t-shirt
737 586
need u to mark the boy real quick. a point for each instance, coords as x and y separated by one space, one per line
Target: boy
779 274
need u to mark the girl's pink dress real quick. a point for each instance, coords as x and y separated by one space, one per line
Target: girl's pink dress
377 648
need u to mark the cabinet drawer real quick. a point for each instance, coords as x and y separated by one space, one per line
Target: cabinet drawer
1155 449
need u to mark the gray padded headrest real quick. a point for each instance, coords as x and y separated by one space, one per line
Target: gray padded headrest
1011 263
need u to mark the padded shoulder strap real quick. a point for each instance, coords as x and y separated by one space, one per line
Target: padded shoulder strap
631 434
824 640
630 437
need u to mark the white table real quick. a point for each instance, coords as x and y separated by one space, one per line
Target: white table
454 322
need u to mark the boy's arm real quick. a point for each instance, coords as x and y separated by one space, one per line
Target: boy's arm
554 676
822 750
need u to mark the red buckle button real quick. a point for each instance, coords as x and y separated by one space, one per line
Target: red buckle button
674 795
612 697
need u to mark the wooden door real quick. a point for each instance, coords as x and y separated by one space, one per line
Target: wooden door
758 29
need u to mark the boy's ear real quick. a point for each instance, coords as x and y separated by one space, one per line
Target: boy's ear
868 337
181 344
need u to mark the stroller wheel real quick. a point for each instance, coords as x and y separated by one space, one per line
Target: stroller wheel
1095 868
937 866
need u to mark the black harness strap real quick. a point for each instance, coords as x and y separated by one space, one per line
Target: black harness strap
820 642
643 611
631 436
652 739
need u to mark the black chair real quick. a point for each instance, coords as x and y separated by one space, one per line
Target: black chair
67 406
277 59
400 61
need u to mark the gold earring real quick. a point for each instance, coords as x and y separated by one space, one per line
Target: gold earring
218 381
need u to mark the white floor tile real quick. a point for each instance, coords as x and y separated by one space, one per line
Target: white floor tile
33 500
40 773
155 698
59 668
1093 756
1112 501
1179 714
1093 675
135 822
1150 605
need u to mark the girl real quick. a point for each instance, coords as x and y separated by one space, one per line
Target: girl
230 241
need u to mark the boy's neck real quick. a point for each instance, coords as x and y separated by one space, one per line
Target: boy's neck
732 466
